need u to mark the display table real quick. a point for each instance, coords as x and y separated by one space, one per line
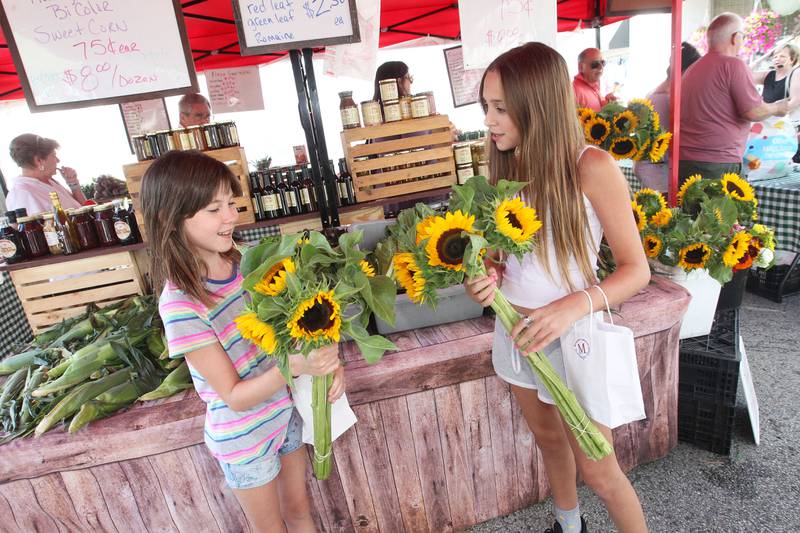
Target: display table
440 444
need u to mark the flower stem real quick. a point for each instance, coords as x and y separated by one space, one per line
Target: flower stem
322 425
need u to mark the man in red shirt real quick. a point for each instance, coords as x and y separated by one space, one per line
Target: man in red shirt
586 84
719 101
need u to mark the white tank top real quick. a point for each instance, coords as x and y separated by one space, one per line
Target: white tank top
526 283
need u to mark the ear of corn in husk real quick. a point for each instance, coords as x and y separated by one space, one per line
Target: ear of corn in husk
176 381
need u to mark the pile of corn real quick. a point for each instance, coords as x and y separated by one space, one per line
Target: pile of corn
87 368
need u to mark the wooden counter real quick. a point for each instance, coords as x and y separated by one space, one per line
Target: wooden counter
440 444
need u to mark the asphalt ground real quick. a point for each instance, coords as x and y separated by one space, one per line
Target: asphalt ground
756 488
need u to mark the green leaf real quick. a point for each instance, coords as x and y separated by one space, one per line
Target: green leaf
268 308
345 290
319 241
373 347
356 330
462 197
380 295
509 189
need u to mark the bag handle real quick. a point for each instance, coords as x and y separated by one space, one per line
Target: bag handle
605 300
591 311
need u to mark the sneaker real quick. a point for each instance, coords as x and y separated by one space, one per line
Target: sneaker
557 527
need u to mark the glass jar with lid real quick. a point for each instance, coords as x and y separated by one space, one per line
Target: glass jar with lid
84 223
348 110
388 89
405 107
371 113
391 111
104 225
51 235
419 106
464 173
32 236
11 248
462 153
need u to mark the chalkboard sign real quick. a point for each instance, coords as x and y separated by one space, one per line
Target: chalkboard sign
71 54
276 25
144 116
464 84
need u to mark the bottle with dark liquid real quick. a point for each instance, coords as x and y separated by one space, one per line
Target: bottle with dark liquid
65 227
294 184
344 185
11 249
125 225
270 202
290 203
308 198
255 197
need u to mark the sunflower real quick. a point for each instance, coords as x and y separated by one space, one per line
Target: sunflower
642 150
652 245
625 122
409 276
316 318
596 130
656 121
642 102
691 180
639 216
694 256
446 245
736 187
737 248
661 218
659 147
651 201
256 331
623 148
274 281
516 220
366 268
585 114
422 228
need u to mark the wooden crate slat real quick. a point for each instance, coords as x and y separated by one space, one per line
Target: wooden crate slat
426 172
404 188
444 137
52 288
81 298
396 128
388 161
42 321
58 270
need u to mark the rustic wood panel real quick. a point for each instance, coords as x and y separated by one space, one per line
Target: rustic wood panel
87 498
353 477
527 487
479 447
221 501
133 495
24 510
334 500
501 426
51 494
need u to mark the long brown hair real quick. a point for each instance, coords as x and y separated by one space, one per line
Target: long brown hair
540 102
175 187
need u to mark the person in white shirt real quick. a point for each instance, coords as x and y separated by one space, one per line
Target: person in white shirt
38 162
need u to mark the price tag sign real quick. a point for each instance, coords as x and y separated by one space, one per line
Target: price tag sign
71 54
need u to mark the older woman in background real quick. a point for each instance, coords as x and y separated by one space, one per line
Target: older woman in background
38 162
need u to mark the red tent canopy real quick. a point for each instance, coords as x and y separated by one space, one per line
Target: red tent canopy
214 44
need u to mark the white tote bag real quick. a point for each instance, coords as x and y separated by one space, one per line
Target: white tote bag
342 416
601 369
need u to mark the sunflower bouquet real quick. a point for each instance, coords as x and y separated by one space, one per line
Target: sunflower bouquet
306 294
632 132
712 227
436 251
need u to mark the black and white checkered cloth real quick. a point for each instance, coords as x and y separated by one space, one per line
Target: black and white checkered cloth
14 328
256 234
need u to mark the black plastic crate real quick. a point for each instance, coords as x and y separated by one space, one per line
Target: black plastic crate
709 365
767 282
707 425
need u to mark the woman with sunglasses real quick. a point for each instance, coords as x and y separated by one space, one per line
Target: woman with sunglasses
38 162
586 83
397 70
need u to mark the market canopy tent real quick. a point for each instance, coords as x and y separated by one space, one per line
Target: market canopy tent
214 43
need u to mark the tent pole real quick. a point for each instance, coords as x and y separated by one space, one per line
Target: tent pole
675 101
311 120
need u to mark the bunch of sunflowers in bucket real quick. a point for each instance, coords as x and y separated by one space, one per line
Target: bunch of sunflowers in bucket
306 294
436 251
632 132
713 227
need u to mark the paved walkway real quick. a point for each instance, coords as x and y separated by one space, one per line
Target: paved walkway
757 488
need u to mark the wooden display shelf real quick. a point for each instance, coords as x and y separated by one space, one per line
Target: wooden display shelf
56 288
404 157
234 157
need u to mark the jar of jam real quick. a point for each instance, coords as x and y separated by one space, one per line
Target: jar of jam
32 237
11 248
348 110
141 147
405 107
51 235
371 113
104 225
212 136
388 89
199 138
233 133
464 173
391 111
431 101
84 223
419 106
462 153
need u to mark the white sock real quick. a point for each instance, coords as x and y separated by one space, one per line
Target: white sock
570 521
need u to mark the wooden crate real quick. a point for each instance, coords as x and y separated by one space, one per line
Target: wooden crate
52 292
430 167
234 157
364 214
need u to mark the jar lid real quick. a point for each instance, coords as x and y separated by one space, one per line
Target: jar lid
22 220
393 101
388 80
464 165
419 97
102 207
85 209
345 94
47 216
367 102
195 127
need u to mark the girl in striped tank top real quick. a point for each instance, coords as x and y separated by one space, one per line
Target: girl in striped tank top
581 195
251 426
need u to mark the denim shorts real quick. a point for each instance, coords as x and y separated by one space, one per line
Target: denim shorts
265 468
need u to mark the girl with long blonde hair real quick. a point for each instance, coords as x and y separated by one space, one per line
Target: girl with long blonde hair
581 196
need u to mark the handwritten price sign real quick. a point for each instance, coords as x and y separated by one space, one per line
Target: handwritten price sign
73 53
490 28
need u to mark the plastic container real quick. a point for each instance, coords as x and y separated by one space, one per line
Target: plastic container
766 282
709 366
454 305
707 425
705 293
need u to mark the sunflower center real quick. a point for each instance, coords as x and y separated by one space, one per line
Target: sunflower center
695 256
733 188
597 130
622 123
623 147
451 246
513 220
319 316
651 244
